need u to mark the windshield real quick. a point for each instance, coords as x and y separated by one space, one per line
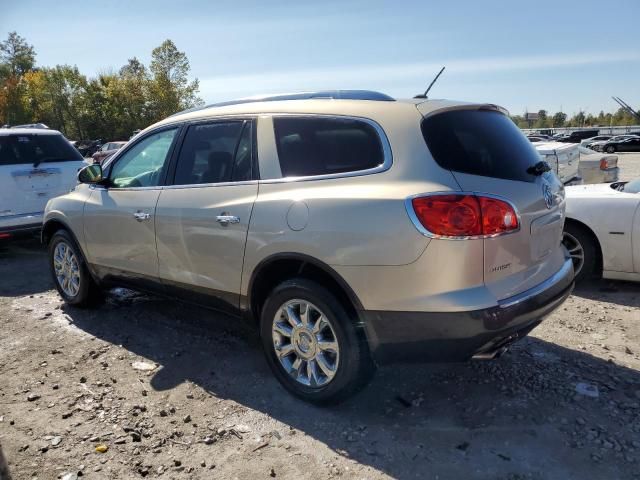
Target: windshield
35 149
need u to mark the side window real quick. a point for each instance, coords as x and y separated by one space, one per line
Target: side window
215 153
320 146
143 164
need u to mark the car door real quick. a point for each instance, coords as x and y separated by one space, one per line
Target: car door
34 167
634 145
202 219
119 221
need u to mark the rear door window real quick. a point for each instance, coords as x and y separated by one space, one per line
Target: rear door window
480 142
322 146
35 149
215 153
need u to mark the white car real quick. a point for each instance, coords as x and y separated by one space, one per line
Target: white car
35 165
597 138
563 158
597 167
602 230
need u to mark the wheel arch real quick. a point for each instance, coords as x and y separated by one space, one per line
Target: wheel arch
276 268
594 237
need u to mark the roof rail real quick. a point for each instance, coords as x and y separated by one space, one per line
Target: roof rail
322 94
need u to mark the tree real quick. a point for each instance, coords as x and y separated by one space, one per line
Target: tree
171 90
17 55
559 119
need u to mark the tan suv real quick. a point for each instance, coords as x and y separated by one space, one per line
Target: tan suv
352 229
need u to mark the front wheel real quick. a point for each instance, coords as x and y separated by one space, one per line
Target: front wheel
611 149
70 273
311 343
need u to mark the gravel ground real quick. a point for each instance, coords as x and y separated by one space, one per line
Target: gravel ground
173 391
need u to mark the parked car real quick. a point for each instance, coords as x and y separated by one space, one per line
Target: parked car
578 135
564 159
628 144
349 228
602 231
88 147
536 139
597 138
31 125
597 167
35 165
107 150
599 146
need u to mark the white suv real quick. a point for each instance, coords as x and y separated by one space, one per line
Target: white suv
349 227
36 164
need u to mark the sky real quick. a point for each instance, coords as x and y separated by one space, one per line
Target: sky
558 55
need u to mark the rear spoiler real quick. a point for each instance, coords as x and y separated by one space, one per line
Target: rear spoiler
433 107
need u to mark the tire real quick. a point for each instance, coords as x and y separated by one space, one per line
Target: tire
352 363
610 149
578 240
86 293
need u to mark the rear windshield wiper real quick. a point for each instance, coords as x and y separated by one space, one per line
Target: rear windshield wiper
539 168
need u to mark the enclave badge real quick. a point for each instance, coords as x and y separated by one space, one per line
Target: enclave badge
547 194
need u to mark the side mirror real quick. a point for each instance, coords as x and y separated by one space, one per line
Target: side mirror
91 174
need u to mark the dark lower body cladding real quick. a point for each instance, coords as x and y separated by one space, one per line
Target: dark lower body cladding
19 231
459 336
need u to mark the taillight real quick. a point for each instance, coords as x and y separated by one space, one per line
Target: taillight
604 164
464 215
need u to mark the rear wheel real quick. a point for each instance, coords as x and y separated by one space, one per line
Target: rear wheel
311 343
70 273
583 250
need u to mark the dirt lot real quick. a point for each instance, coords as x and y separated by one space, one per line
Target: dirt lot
564 403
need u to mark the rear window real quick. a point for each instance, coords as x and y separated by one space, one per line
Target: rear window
323 146
36 149
480 142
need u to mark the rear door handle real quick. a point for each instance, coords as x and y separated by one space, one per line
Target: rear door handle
225 220
141 216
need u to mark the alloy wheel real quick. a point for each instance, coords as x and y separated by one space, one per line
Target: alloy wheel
67 269
576 251
305 343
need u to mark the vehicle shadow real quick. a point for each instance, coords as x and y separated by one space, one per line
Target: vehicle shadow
612 291
26 260
4 469
516 417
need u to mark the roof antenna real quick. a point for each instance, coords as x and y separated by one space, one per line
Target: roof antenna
424 95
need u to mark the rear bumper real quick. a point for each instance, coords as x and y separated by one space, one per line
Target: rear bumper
458 336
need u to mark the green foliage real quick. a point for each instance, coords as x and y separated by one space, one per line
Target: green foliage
110 106
580 119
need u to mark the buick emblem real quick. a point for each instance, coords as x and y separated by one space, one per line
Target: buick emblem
547 194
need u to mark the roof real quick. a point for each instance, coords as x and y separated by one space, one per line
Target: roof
363 103
28 131
322 94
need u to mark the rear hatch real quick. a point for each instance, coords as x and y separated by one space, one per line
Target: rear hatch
35 167
487 154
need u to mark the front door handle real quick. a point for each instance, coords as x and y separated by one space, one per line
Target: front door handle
141 216
225 220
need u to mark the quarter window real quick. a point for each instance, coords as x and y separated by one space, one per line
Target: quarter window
143 164
323 146
215 153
